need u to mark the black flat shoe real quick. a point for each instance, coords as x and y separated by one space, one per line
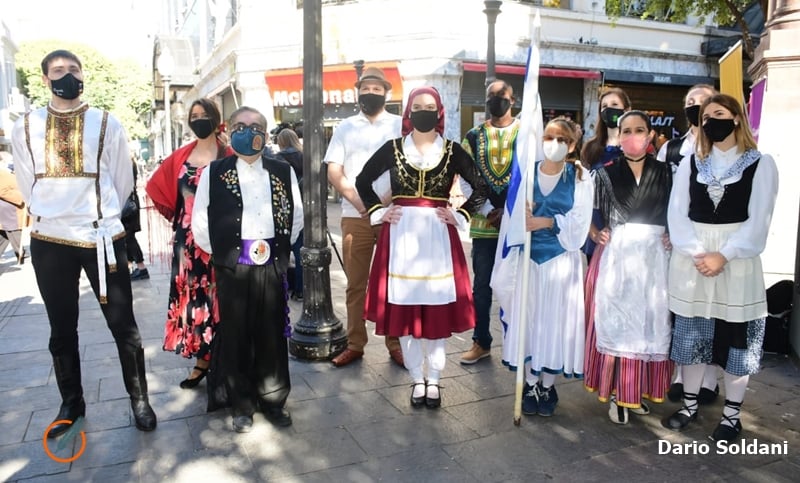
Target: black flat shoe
431 402
140 274
707 396
723 432
192 383
278 416
417 402
243 424
679 420
675 393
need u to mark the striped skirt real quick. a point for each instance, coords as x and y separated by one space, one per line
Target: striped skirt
630 379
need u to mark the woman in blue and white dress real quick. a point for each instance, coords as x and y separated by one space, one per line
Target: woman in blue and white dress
558 221
719 215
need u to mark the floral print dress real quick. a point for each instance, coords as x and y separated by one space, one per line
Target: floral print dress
192 314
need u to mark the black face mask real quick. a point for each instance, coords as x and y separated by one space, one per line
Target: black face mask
610 116
693 114
718 129
371 104
67 87
424 121
498 106
202 128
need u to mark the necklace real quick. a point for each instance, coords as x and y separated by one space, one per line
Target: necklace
636 160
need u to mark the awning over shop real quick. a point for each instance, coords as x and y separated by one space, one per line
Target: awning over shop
338 84
543 71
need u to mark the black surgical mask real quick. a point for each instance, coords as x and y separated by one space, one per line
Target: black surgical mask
424 121
67 87
610 116
718 129
202 128
498 106
693 114
371 104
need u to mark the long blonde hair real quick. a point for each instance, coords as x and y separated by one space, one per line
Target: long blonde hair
744 137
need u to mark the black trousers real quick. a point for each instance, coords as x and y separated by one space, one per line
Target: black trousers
253 352
58 269
133 250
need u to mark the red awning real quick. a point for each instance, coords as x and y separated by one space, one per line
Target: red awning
543 71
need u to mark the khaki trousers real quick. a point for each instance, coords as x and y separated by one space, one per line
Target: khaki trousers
358 243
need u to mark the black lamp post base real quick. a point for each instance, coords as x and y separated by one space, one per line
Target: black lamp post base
317 347
318 334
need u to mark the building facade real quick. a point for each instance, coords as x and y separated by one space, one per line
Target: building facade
12 103
250 52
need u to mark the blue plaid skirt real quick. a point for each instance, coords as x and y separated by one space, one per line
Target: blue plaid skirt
736 347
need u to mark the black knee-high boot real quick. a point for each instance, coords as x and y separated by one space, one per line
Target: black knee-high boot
68 376
133 374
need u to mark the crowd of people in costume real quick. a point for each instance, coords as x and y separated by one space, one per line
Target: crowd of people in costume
641 276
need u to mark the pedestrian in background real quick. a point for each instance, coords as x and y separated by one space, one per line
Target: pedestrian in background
491 144
554 317
192 315
11 210
419 286
247 214
353 142
291 151
604 146
74 172
131 220
719 217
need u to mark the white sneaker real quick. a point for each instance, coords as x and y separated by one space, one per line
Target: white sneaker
617 414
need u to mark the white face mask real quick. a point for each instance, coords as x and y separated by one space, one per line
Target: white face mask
555 151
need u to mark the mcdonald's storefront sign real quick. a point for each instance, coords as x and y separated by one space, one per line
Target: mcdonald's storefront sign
338 84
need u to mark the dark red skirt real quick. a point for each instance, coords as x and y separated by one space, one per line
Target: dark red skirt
419 321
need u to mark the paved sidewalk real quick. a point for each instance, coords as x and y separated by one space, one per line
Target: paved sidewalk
353 423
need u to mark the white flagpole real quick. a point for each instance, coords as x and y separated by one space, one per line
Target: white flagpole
529 155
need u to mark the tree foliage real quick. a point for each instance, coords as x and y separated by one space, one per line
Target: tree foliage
121 87
721 12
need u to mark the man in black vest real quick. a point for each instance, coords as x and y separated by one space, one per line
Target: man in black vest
247 213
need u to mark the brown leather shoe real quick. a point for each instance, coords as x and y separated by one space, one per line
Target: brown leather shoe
346 357
397 356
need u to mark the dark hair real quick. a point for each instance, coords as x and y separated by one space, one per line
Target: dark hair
505 87
59 54
211 109
571 128
636 113
595 146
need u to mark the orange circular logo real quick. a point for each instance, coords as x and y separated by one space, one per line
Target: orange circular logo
50 453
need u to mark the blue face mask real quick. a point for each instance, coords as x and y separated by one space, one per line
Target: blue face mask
248 141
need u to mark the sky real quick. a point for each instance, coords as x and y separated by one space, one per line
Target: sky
117 28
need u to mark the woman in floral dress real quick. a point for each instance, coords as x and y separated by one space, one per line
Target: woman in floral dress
192 314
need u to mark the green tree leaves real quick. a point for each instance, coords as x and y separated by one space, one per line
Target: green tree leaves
121 87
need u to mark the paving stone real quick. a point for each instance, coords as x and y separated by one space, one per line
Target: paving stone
422 429
13 425
26 460
121 473
334 411
100 416
290 454
351 379
229 465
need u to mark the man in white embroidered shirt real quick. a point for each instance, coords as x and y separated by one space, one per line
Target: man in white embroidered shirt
74 171
247 214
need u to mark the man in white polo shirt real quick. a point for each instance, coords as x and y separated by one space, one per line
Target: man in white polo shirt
352 144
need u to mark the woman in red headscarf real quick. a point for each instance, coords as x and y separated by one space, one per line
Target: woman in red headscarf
419 288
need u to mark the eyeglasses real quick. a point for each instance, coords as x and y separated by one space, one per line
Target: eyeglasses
255 128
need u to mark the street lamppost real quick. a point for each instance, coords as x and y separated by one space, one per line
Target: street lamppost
318 335
492 10
166 66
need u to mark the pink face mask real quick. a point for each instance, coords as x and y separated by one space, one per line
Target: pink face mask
634 147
